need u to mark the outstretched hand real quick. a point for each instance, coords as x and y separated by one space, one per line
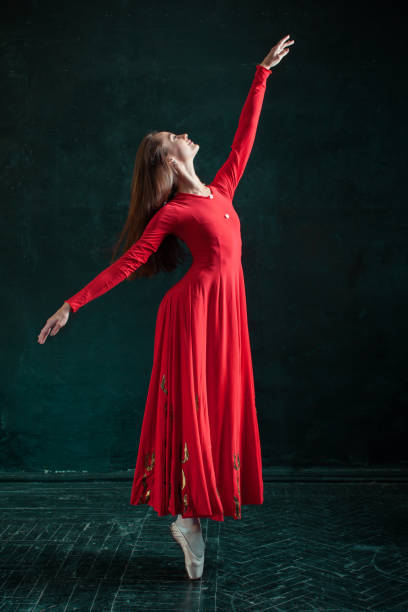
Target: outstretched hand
54 323
277 52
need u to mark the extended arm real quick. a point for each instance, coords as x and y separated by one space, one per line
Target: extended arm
163 222
228 176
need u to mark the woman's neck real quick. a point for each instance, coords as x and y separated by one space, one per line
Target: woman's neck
196 188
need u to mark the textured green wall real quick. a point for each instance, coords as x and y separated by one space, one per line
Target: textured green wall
321 207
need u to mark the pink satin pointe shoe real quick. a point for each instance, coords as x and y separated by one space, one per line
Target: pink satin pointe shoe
194 564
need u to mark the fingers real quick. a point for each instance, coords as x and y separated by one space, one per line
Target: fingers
43 335
55 329
50 329
283 39
284 42
284 47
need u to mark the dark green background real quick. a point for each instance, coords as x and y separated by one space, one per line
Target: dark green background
321 204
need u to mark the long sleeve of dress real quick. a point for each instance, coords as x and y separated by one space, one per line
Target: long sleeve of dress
163 222
228 176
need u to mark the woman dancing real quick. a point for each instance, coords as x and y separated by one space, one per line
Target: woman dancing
199 453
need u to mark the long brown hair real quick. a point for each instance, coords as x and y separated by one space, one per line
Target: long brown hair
153 184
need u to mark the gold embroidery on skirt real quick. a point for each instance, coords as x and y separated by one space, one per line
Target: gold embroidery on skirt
183 477
237 500
186 456
148 464
218 493
237 508
163 383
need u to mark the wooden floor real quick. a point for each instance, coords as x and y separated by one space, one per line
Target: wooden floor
311 546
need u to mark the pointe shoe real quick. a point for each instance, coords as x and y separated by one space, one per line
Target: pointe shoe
194 564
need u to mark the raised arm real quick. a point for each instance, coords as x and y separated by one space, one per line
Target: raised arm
163 222
230 173
228 176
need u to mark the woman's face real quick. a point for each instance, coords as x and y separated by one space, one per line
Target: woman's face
179 146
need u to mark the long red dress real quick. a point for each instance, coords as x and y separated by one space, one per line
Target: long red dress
199 452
